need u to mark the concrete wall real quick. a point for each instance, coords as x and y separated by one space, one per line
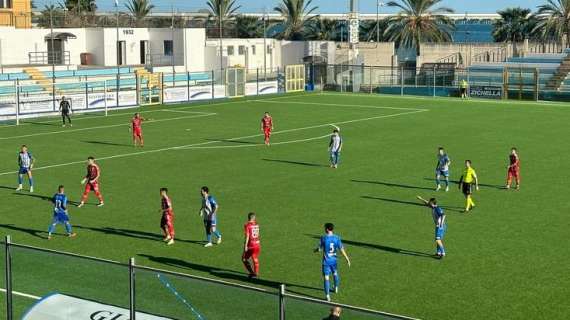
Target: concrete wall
18 43
251 57
432 52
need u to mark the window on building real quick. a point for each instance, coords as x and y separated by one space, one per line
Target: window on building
269 50
241 50
5 4
168 48
230 50
253 50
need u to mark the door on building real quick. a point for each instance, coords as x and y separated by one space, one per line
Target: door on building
122 53
144 51
55 51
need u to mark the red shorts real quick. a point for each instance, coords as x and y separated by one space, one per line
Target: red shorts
251 253
267 132
137 132
167 220
514 172
92 186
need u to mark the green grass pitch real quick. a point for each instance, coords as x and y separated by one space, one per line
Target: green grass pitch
506 260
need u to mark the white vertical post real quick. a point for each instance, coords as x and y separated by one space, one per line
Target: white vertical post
105 97
17 86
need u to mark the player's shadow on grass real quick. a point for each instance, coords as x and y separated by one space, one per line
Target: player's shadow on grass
222 273
412 203
231 141
42 197
49 124
456 182
33 232
300 163
105 143
134 234
8 188
389 184
383 248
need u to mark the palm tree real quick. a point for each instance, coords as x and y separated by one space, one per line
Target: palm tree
322 29
49 15
554 20
515 25
249 27
418 21
368 30
296 16
221 11
79 6
139 9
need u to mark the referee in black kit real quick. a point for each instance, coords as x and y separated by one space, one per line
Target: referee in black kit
65 109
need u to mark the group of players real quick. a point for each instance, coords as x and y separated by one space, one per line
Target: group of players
468 182
330 244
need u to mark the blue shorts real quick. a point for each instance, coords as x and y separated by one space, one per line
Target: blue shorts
444 173
329 269
210 221
24 170
440 232
60 217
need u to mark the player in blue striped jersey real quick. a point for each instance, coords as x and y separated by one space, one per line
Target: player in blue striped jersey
440 226
25 164
330 244
442 169
335 147
209 211
60 215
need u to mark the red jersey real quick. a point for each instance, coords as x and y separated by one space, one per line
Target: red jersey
251 229
92 172
514 161
267 122
166 205
136 123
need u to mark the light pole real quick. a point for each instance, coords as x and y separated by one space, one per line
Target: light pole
378 5
52 56
265 43
221 26
118 55
172 39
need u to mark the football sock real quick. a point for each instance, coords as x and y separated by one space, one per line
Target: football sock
31 182
20 179
437 181
327 287
51 228
209 237
336 280
447 182
68 227
256 266
248 266
217 234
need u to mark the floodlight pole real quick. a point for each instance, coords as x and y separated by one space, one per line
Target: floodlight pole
264 43
221 29
118 54
172 38
53 57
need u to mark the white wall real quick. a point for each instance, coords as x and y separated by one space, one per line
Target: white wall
195 54
18 43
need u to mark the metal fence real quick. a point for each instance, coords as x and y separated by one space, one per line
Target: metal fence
443 80
33 274
111 88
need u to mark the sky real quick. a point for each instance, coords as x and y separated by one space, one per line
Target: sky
324 6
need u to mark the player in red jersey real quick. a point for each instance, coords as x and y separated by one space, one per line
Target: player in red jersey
136 129
513 170
251 246
167 220
91 182
267 127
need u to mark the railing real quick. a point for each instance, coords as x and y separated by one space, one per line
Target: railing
499 82
495 55
32 273
46 57
158 60
454 58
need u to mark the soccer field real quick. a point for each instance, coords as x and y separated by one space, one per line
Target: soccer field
508 259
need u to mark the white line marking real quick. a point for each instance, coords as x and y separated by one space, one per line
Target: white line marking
25 295
258 144
200 115
470 100
341 105
182 111
211 142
